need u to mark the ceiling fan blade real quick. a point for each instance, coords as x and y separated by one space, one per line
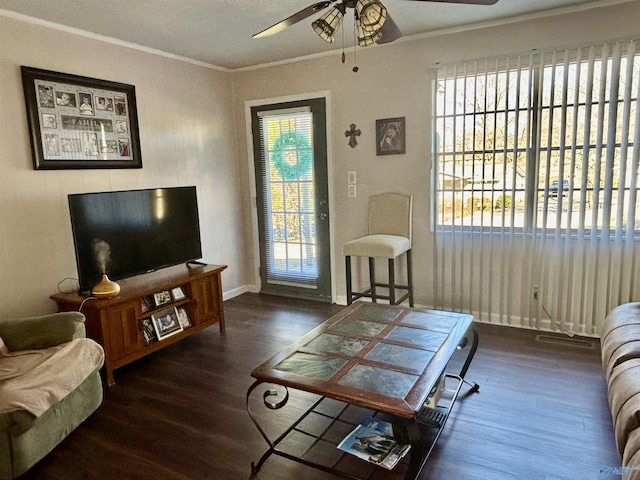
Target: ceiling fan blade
468 2
295 18
390 31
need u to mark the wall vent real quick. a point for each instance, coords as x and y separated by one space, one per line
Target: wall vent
562 340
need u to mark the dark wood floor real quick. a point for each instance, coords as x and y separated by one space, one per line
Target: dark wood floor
541 413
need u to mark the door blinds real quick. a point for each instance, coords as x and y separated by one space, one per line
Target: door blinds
288 196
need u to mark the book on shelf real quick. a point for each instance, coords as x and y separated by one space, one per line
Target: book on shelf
374 442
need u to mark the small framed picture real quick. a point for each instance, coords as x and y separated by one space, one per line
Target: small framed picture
177 294
146 304
66 99
49 121
166 323
390 136
86 103
104 103
161 298
183 318
148 331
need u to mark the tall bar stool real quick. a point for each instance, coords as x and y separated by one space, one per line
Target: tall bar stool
389 237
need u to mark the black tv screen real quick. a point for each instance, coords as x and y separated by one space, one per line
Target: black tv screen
127 233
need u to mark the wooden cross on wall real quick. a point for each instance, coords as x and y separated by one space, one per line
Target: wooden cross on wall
352 133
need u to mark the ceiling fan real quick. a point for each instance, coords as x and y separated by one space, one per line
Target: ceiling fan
373 23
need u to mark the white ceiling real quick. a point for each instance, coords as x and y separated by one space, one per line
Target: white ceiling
219 32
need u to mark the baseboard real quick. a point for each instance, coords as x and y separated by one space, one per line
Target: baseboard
236 292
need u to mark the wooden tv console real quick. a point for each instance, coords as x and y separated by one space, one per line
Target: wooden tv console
117 323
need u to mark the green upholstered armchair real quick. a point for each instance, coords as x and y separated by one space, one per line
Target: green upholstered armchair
24 438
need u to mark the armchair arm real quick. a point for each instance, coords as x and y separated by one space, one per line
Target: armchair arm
42 332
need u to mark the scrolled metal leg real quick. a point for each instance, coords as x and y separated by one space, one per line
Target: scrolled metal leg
474 346
273 392
269 402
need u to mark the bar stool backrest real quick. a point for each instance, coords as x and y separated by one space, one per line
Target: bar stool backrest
391 214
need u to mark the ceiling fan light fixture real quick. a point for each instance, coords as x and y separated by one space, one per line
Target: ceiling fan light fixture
371 15
328 24
368 38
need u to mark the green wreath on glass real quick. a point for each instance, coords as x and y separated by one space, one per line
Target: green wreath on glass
289 171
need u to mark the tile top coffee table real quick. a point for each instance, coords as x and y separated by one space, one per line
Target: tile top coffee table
379 357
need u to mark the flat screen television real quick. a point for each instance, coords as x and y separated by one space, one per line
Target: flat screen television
131 232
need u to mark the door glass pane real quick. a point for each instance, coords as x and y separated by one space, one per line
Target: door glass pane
289 189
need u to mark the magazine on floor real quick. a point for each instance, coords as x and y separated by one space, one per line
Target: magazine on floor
373 441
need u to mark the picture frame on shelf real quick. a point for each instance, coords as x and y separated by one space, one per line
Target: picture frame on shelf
166 323
183 318
78 122
162 298
390 136
148 331
146 303
177 294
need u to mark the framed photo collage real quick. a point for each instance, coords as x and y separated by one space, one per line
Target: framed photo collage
80 122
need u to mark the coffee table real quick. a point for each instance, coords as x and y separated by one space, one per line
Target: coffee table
385 359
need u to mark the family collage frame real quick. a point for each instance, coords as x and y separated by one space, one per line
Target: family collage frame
80 122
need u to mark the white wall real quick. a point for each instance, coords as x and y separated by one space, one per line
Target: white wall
186 124
393 81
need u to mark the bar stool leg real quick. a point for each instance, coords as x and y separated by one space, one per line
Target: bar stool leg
392 282
349 288
410 277
372 279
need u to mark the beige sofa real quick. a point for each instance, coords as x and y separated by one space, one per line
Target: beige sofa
620 338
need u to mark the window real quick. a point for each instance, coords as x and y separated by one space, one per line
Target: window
546 142
536 187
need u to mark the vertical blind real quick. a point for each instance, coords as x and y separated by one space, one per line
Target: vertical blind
288 193
535 174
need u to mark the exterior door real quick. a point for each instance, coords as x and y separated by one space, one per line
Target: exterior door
290 157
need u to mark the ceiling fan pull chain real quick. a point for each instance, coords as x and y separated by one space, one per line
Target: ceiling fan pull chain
344 57
355 41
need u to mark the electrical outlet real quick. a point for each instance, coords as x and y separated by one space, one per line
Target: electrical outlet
536 289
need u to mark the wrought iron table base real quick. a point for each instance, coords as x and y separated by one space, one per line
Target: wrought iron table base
415 431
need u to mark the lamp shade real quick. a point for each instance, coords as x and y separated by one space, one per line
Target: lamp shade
368 38
371 15
327 25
